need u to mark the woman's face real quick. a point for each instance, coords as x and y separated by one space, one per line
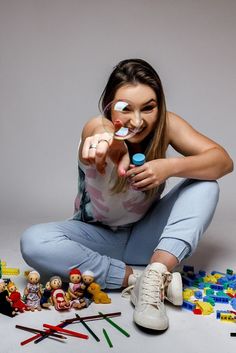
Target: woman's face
144 100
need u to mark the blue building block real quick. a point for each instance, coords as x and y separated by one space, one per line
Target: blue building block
216 286
202 273
219 299
208 299
198 294
218 312
233 303
217 272
187 268
187 281
188 305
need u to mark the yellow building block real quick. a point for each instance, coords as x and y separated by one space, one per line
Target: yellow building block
228 317
206 308
187 293
210 279
10 271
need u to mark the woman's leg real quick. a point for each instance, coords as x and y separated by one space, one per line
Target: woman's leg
171 230
55 248
168 233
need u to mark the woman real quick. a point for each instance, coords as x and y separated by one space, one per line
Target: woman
120 219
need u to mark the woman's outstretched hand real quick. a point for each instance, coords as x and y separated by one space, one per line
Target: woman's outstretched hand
98 147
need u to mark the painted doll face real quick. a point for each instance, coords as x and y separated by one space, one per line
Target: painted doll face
56 283
87 279
75 278
33 277
11 288
48 286
2 286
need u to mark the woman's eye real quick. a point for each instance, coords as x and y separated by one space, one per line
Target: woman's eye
148 108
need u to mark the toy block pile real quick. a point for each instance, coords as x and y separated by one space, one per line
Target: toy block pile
203 292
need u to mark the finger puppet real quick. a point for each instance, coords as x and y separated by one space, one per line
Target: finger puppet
5 302
32 291
15 297
76 289
59 298
98 296
45 301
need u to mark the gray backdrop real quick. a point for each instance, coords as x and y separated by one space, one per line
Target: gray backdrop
55 58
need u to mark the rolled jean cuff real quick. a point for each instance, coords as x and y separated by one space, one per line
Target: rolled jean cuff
115 275
177 247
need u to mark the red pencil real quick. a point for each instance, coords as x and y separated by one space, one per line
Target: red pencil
60 329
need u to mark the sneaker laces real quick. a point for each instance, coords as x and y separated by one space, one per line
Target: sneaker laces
151 287
154 284
127 291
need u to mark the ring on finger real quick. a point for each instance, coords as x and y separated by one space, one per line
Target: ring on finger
105 140
93 145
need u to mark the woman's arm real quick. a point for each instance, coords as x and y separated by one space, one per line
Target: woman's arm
202 157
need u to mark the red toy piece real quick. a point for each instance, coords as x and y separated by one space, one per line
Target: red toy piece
15 298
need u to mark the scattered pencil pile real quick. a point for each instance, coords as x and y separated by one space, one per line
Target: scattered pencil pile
59 332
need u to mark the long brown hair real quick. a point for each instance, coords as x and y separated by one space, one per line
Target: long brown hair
135 71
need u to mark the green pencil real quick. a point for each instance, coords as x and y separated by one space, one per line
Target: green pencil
115 325
107 338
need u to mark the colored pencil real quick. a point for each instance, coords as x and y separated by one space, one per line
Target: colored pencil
93 317
31 329
107 338
88 328
60 329
115 325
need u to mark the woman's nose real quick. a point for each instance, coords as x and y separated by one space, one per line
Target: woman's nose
136 120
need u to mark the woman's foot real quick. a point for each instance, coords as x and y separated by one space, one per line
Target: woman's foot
148 296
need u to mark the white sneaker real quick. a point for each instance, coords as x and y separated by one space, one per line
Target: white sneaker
133 277
173 290
148 297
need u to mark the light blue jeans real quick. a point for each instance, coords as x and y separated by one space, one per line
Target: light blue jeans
174 224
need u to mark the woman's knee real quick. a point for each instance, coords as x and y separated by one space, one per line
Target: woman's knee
31 239
211 191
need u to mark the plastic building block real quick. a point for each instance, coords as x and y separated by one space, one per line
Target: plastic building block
198 294
210 279
219 312
209 300
202 273
229 271
187 268
217 273
216 286
228 317
8 271
206 308
187 294
188 305
197 311
187 281
219 299
233 303
209 291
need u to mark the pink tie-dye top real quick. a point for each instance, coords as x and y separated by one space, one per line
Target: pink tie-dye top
96 203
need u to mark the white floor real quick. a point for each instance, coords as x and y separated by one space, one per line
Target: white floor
187 332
